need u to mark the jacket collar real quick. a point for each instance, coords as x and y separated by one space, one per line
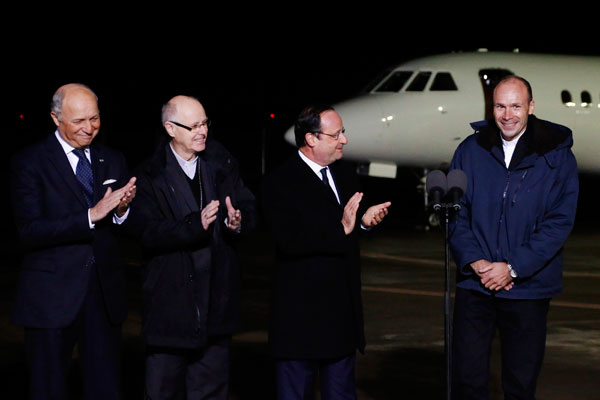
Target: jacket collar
540 139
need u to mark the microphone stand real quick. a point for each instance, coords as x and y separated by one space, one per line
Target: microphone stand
447 208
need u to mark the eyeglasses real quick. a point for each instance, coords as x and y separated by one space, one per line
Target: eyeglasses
195 127
336 136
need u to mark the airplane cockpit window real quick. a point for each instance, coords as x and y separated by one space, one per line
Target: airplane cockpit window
418 84
443 81
586 99
566 98
395 82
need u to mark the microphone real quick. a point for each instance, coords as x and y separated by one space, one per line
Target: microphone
436 186
457 185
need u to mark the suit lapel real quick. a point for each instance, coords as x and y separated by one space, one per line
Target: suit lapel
98 171
60 162
315 184
181 197
340 183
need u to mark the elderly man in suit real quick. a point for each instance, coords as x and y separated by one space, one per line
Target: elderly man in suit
192 206
69 196
311 203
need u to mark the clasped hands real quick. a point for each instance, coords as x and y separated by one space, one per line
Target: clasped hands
373 216
493 275
117 200
234 217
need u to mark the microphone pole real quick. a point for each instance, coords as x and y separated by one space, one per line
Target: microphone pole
447 311
453 187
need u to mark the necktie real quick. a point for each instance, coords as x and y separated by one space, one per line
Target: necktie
83 172
325 178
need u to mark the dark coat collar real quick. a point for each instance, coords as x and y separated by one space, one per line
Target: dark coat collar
540 136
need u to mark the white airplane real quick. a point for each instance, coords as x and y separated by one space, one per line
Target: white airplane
418 113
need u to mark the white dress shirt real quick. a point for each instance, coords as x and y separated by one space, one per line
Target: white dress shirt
316 168
73 160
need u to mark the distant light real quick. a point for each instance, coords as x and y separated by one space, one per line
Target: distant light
440 108
482 50
272 116
21 116
515 50
391 117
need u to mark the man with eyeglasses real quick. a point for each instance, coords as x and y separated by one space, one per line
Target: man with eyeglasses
192 206
311 203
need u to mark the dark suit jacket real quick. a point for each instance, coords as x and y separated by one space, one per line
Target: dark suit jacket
316 310
52 222
191 282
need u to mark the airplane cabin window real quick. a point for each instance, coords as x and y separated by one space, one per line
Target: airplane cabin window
586 99
418 84
395 82
443 81
566 98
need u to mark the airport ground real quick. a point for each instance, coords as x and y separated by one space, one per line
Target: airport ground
403 284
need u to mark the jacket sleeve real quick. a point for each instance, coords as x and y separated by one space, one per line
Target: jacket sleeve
464 244
555 226
37 227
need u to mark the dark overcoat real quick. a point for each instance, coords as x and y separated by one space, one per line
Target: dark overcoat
316 310
191 276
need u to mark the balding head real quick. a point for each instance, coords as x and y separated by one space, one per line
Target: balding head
75 113
61 92
185 121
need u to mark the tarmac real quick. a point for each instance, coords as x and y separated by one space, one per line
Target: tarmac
403 287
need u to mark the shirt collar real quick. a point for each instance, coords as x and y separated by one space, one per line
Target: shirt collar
313 165
188 167
67 148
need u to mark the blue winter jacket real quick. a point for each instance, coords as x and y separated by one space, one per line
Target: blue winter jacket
521 215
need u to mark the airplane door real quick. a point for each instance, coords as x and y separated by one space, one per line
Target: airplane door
489 79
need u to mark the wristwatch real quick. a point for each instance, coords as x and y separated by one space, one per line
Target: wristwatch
512 272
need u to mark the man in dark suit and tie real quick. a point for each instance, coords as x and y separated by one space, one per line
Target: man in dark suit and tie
69 195
311 203
192 206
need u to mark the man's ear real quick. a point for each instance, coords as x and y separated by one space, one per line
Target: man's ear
169 128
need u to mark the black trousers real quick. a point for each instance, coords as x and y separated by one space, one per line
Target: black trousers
522 328
189 374
296 379
49 352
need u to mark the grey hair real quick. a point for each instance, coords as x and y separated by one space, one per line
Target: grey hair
169 110
59 96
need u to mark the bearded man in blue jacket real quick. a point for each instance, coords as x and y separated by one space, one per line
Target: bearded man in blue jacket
517 212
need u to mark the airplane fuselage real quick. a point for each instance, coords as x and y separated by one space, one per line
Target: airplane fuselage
419 112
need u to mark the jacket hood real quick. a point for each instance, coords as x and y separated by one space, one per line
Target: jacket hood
541 137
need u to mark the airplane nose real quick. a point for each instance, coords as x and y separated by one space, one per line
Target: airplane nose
289 136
